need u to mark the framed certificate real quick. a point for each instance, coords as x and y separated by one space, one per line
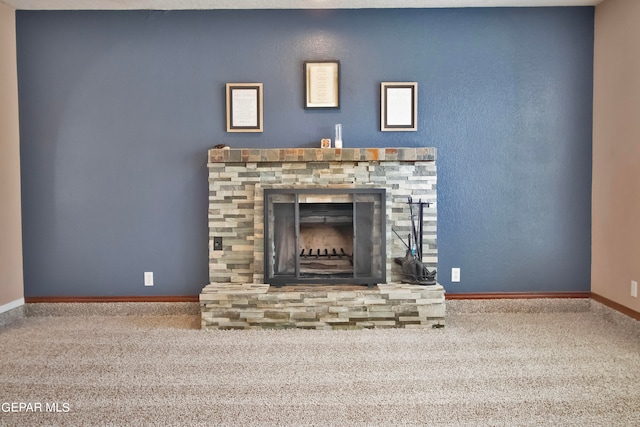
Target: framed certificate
244 107
398 106
322 84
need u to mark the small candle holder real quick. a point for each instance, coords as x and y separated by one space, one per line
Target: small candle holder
338 138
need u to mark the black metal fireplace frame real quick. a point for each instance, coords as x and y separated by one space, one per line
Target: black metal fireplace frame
356 279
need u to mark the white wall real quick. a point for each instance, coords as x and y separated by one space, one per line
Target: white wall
11 275
616 152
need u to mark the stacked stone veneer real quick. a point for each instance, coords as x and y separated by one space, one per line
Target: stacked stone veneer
237 180
238 177
252 306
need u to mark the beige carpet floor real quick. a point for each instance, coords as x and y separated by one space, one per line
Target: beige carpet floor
549 362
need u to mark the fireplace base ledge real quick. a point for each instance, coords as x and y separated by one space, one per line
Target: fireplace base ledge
260 306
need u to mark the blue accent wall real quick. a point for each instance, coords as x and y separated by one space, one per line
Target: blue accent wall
118 109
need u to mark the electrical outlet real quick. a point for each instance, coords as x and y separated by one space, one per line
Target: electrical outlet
148 278
455 274
634 289
217 243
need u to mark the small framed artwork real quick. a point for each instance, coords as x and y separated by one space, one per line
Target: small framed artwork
322 84
244 107
398 106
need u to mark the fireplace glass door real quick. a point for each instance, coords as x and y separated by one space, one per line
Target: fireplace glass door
324 236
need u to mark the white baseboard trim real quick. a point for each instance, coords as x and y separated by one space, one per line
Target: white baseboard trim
11 305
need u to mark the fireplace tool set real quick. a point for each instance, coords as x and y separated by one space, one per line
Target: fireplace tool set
413 270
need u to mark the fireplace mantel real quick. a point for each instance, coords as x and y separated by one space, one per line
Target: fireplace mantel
297 155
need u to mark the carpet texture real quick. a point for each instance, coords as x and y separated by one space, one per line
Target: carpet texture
572 366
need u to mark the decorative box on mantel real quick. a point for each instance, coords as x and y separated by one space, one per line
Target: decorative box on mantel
237 181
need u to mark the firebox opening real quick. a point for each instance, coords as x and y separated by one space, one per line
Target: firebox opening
326 239
324 236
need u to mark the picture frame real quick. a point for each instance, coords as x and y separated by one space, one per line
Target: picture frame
398 106
244 102
321 85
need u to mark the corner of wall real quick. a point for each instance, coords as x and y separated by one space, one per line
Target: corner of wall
616 153
11 267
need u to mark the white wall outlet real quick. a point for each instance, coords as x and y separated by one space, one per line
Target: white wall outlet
455 274
634 289
148 278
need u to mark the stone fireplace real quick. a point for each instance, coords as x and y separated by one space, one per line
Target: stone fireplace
320 223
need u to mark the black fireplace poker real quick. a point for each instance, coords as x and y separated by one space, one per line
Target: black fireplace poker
417 229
